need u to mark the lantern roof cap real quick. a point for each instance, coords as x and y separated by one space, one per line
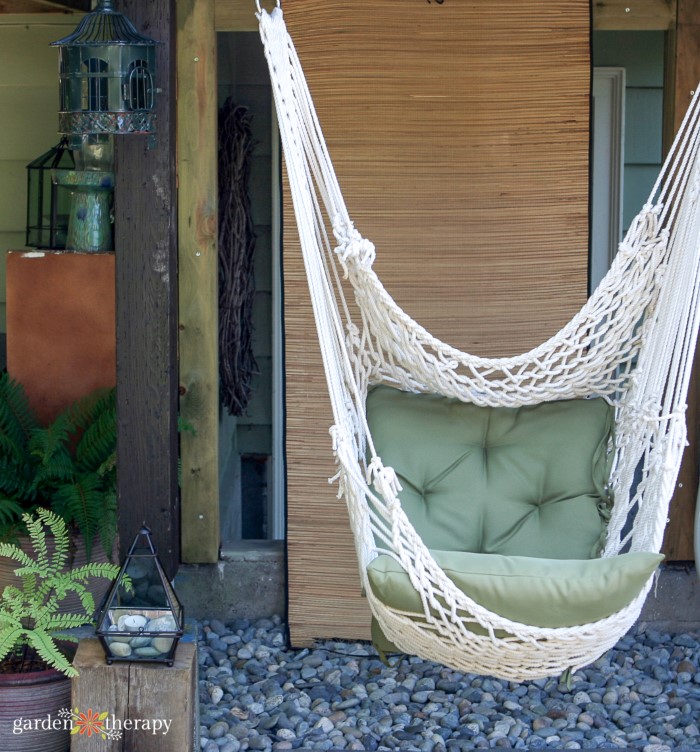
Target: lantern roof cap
104 26
53 157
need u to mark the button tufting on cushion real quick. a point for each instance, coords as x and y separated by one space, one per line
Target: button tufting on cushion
522 481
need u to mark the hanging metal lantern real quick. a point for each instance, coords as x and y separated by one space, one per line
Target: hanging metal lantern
106 76
48 204
144 622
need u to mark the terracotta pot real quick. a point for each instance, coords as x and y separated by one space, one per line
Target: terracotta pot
32 702
97 586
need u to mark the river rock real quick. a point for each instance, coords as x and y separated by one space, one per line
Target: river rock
120 649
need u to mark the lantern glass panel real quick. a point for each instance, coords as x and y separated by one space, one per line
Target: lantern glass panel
139 89
94 97
48 204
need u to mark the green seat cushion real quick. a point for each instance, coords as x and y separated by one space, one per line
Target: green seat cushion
527 481
535 591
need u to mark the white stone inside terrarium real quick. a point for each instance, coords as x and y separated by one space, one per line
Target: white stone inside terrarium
130 634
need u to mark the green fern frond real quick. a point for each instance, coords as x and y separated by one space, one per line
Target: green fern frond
10 512
57 587
17 477
50 448
98 444
14 552
35 528
94 569
49 651
9 636
85 410
17 419
29 581
59 622
81 504
13 602
87 601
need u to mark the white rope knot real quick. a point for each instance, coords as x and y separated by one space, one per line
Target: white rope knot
645 224
384 480
353 336
357 248
341 438
650 413
335 432
351 245
342 228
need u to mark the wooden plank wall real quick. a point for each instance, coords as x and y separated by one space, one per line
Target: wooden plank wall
463 154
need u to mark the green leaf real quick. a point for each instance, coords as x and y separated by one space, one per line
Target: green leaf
14 552
49 651
9 637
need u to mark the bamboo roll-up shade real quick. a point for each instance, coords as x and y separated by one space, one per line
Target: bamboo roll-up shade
460 134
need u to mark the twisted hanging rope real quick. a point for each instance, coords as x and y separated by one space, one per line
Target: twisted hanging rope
632 343
236 253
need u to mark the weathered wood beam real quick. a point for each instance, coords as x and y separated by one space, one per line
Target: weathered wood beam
608 15
238 15
198 278
634 15
44 6
146 272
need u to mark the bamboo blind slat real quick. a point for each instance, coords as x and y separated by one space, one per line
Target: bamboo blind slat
460 134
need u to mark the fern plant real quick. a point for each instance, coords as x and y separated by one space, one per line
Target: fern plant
29 615
68 466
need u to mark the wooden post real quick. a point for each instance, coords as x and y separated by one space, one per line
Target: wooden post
152 705
146 278
678 541
198 279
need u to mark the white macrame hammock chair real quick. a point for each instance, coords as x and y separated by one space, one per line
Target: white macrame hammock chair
632 343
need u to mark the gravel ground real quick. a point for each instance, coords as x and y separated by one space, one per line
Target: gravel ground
257 694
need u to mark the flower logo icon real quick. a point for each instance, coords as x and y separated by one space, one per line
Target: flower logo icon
89 723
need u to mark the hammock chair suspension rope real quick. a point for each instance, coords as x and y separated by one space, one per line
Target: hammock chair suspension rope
632 343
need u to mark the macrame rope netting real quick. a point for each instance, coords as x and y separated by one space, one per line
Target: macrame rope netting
632 343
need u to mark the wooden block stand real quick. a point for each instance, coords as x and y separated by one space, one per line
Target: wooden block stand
138 697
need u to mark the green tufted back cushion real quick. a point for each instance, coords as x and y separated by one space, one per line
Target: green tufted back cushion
527 481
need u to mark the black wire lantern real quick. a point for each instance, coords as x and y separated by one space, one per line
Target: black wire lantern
143 622
106 76
48 204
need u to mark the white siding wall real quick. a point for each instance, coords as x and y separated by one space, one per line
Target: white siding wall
28 110
641 53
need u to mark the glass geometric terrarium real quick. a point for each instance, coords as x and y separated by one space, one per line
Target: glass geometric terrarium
144 622
48 204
